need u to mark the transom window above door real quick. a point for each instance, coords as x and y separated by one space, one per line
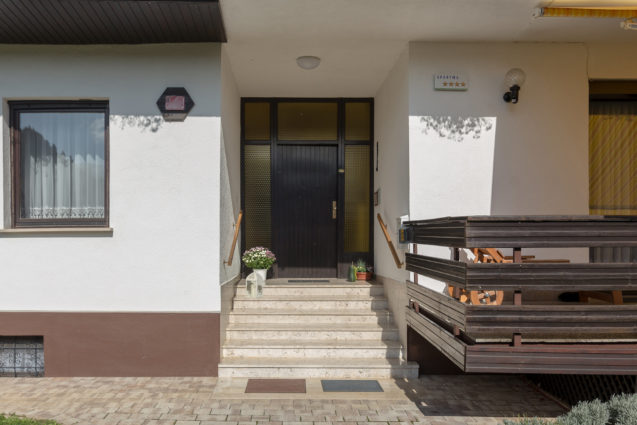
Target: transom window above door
60 163
315 121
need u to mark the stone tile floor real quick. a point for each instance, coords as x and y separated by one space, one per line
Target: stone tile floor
430 400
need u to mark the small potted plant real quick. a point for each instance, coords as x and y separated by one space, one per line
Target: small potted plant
259 259
363 271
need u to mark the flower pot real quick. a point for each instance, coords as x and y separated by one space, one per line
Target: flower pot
256 281
262 274
363 275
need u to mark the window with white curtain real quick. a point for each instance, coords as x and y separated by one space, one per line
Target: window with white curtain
60 163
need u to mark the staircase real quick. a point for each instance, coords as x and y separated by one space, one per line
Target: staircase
313 330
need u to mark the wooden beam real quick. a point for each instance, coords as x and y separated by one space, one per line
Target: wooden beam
525 231
527 276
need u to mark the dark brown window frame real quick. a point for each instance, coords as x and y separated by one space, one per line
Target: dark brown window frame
16 107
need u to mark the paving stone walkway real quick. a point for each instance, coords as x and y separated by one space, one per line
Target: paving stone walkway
431 400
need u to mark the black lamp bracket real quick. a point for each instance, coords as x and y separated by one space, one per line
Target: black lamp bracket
512 95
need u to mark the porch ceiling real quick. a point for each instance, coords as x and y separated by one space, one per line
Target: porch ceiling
360 40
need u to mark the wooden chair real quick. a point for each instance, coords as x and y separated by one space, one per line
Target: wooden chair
481 255
612 297
493 255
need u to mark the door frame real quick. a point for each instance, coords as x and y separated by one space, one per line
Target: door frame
343 258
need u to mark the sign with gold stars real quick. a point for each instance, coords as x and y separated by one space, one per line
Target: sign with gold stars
450 81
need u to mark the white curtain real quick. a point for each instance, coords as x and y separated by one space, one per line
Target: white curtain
62 165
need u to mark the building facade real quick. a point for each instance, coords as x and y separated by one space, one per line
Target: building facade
117 222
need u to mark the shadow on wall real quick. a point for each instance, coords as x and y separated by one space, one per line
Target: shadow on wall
456 128
451 165
150 123
459 167
451 161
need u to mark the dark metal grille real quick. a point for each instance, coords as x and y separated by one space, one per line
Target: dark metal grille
574 388
21 356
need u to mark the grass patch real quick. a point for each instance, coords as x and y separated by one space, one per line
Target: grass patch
18 420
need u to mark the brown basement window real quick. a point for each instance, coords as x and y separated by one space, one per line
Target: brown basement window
60 163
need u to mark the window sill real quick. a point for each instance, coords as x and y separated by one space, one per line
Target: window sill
57 231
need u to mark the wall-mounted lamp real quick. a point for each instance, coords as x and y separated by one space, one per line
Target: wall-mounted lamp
513 80
308 62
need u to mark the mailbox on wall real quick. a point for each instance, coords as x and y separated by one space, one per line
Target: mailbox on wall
175 103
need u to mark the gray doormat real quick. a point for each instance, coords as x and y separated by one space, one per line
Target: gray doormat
351 386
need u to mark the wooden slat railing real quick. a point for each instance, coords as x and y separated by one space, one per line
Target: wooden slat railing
517 337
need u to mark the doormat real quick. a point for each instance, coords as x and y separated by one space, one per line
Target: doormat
275 386
351 386
308 281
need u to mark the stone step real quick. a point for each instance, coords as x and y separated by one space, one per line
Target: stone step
381 317
341 289
238 367
306 303
277 349
320 331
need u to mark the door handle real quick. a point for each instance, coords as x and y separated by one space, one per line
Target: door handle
334 210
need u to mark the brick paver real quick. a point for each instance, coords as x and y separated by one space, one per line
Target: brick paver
431 400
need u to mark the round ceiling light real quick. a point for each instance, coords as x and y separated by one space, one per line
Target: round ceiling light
308 62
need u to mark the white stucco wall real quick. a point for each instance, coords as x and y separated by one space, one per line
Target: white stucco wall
230 168
533 159
391 131
540 160
611 61
164 183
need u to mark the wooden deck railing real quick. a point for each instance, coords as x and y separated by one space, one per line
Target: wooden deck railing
518 336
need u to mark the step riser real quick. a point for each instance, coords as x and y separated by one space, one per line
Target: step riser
255 317
287 372
353 341
312 291
332 353
308 306
338 335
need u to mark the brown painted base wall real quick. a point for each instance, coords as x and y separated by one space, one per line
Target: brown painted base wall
122 344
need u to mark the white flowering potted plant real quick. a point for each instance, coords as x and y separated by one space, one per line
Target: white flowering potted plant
259 259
